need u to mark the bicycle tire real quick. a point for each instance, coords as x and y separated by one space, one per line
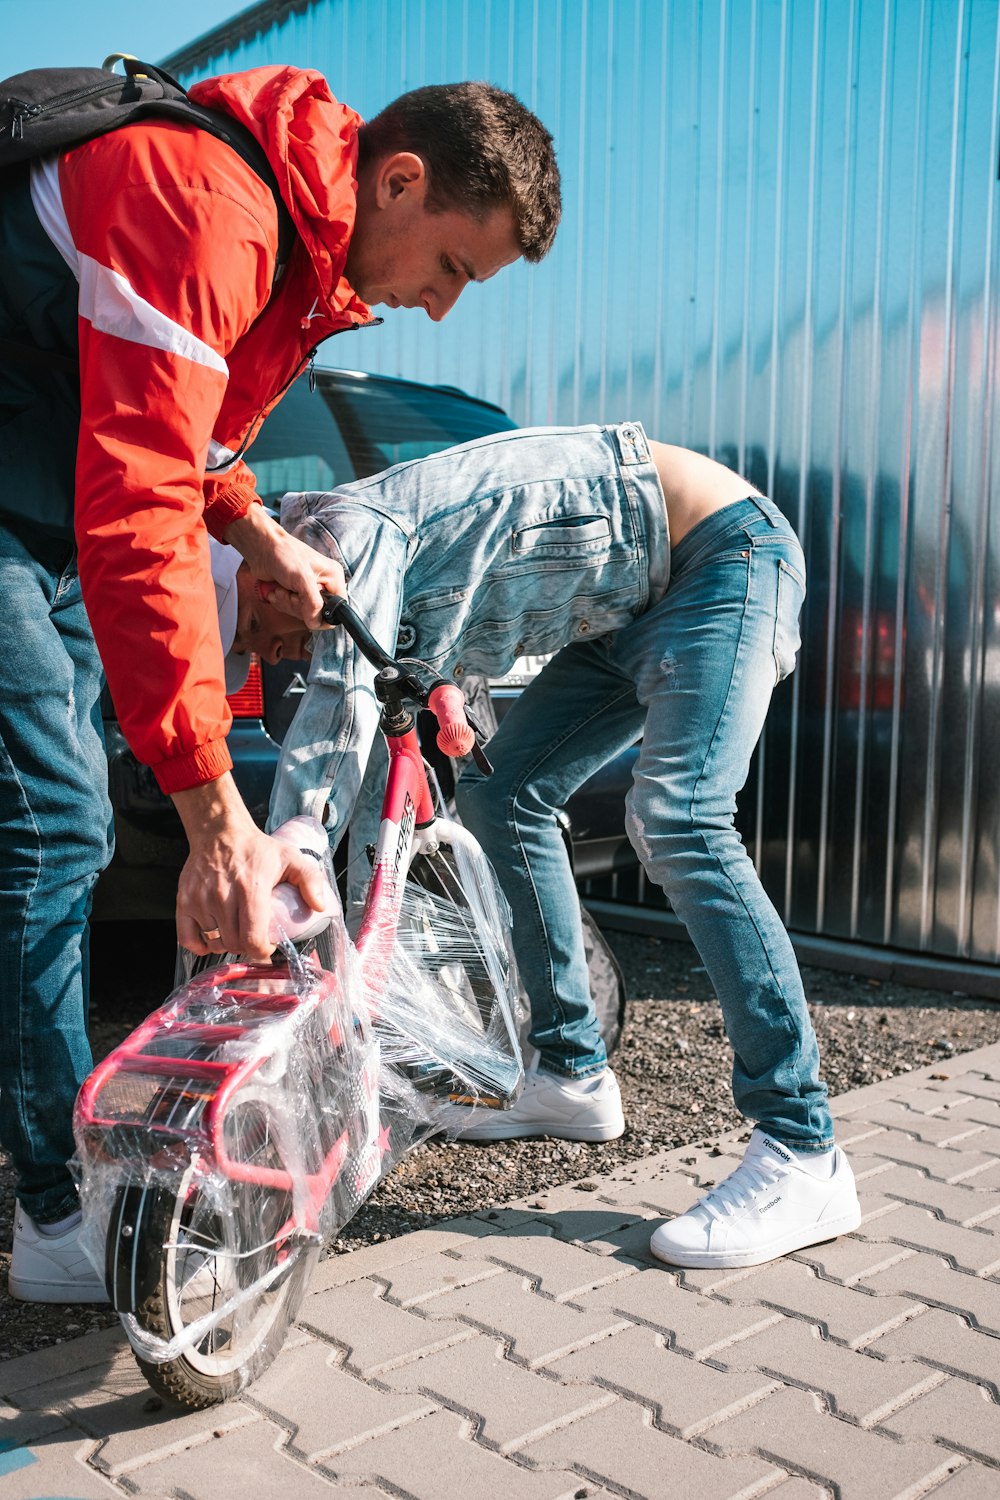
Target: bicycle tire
473 968
174 1255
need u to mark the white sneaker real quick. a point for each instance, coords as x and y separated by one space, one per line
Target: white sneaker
770 1206
51 1267
569 1109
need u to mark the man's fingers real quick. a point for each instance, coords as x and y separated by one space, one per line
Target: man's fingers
302 871
255 921
189 935
328 582
229 906
314 887
304 605
201 939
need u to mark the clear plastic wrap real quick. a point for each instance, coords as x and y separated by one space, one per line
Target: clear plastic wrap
245 1121
447 1013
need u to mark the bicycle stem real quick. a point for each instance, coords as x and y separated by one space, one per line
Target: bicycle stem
397 681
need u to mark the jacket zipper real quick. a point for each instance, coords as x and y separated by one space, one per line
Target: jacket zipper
309 360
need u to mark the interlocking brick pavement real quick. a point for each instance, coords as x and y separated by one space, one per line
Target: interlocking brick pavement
511 1404
324 1407
794 1429
945 1341
976 1250
932 1281
956 1414
683 1394
621 1445
862 1389
538 1352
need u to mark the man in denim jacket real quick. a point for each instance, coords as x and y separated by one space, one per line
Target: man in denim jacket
669 590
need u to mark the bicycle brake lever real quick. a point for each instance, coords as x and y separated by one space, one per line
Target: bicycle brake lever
481 758
479 755
477 752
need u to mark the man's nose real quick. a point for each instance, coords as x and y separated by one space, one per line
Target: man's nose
439 300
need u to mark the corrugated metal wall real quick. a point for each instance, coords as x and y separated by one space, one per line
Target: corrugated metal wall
780 247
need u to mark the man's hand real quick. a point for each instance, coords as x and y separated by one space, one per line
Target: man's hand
299 575
224 894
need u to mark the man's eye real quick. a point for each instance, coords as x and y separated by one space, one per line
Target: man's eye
253 625
447 266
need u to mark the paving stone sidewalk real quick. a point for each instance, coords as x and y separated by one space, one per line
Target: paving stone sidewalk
537 1353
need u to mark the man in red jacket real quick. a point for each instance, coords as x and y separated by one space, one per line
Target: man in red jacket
147 259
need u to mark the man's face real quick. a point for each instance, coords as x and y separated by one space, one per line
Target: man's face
262 628
403 255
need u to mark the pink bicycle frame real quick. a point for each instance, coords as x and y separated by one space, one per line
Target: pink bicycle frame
407 807
407 820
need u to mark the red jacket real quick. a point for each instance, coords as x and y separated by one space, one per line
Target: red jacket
183 350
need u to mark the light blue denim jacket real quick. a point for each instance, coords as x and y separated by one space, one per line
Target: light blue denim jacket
515 544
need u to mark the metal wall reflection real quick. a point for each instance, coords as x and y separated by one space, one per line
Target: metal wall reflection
780 247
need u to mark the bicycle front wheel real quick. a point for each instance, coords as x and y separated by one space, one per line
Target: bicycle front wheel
455 993
209 1269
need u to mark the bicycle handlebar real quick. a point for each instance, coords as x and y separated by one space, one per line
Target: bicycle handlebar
456 735
457 731
337 611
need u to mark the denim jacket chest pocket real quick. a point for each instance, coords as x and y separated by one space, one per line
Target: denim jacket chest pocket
562 541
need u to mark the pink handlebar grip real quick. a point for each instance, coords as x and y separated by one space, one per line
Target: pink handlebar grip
455 735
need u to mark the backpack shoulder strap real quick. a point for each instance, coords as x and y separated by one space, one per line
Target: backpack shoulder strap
51 109
177 103
246 145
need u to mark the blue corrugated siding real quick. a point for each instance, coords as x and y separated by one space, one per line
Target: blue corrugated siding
780 247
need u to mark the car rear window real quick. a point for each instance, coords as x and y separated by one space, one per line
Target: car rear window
350 427
389 424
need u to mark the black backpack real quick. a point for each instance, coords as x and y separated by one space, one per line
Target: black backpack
51 109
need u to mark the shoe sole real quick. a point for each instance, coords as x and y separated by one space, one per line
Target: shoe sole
48 1292
704 1260
499 1132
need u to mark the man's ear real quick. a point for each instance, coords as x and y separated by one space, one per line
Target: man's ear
401 173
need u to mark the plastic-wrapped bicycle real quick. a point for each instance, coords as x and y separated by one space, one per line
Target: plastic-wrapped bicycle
248 1118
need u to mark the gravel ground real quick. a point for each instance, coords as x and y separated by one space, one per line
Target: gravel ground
673 1067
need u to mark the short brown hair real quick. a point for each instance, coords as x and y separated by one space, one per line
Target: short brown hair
482 149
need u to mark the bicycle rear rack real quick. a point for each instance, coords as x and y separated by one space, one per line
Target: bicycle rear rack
169 1087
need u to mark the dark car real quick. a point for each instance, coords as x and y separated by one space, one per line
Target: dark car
341 426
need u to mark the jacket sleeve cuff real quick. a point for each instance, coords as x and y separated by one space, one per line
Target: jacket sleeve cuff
228 505
181 772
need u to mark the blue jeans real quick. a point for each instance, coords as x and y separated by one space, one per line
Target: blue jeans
693 677
57 837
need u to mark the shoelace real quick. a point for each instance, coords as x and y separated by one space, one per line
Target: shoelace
740 1188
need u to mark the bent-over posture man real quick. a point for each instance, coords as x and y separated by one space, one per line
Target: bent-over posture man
146 259
669 590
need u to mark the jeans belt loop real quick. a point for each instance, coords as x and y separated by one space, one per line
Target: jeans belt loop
766 510
631 443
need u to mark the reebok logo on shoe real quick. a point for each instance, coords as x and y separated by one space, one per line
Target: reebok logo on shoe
785 1155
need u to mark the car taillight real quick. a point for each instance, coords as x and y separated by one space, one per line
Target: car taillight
248 703
879 649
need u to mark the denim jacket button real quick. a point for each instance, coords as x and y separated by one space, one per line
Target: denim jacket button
458 670
583 627
405 637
